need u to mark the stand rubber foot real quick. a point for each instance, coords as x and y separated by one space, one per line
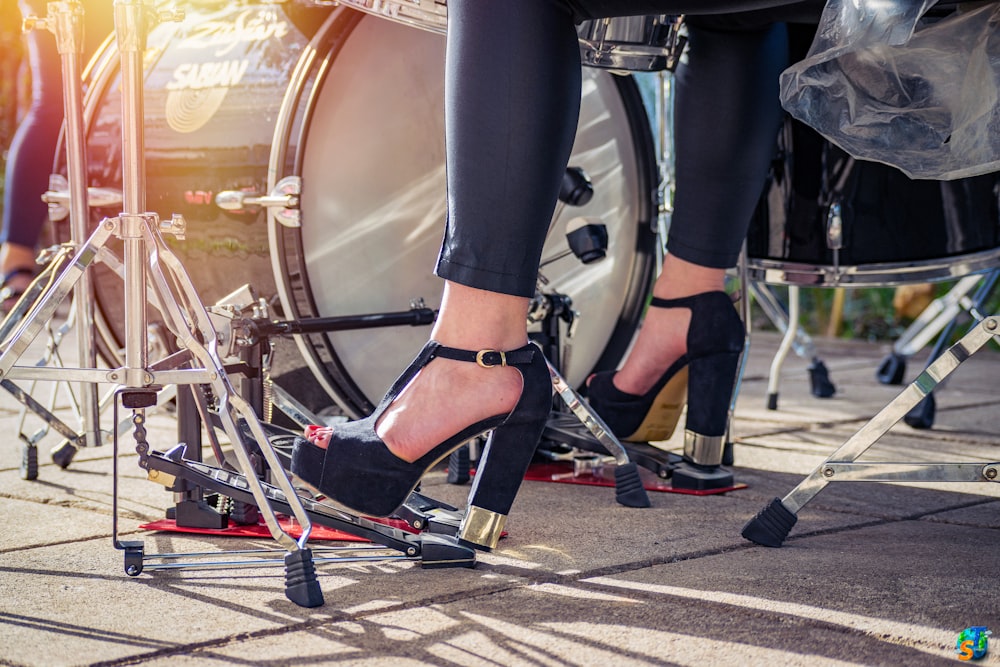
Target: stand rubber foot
629 490
892 369
700 478
922 414
819 380
301 585
62 455
772 401
771 525
29 462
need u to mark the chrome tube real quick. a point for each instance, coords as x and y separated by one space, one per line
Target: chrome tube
130 28
67 20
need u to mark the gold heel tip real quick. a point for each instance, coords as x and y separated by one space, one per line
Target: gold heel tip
482 528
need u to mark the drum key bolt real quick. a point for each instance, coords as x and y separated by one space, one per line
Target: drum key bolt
990 472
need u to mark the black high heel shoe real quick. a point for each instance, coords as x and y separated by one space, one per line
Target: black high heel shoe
358 471
706 375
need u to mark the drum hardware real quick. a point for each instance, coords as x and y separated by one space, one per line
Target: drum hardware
58 197
633 43
922 415
797 340
146 256
913 231
819 376
283 198
65 21
933 320
773 523
146 227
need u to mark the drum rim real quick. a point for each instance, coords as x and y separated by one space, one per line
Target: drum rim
296 110
885 274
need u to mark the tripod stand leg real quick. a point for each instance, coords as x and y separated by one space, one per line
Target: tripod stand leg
772 524
22 336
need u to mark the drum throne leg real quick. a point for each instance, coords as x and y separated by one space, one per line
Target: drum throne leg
773 523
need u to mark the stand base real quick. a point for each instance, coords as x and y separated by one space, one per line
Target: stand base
563 433
688 476
199 514
444 548
563 472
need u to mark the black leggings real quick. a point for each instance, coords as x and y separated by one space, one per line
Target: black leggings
512 99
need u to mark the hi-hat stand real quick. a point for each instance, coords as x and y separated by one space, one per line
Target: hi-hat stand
148 261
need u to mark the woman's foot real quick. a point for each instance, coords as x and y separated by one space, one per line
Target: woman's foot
444 398
687 352
360 471
663 337
447 396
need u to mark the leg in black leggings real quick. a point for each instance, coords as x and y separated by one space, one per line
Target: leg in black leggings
31 153
726 119
512 100
515 65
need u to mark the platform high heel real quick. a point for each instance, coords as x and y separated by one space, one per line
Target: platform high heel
358 471
705 375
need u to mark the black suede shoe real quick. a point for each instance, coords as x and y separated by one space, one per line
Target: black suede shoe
706 375
358 471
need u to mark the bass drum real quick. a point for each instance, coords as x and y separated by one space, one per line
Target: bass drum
370 151
242 97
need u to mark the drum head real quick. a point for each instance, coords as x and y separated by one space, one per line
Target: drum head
372 163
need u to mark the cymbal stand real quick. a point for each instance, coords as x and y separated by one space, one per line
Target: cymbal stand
148 260
65 21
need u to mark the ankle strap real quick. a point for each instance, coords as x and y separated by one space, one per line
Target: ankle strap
688 301
522 356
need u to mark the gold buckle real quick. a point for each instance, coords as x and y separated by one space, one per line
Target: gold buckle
482 353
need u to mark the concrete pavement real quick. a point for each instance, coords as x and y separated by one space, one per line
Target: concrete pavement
872 574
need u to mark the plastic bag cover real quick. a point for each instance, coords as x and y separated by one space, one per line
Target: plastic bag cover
886 82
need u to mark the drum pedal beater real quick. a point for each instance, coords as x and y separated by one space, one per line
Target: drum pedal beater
147 258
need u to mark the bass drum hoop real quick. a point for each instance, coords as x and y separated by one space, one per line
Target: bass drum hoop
288 261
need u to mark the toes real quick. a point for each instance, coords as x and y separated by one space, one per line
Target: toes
318 435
